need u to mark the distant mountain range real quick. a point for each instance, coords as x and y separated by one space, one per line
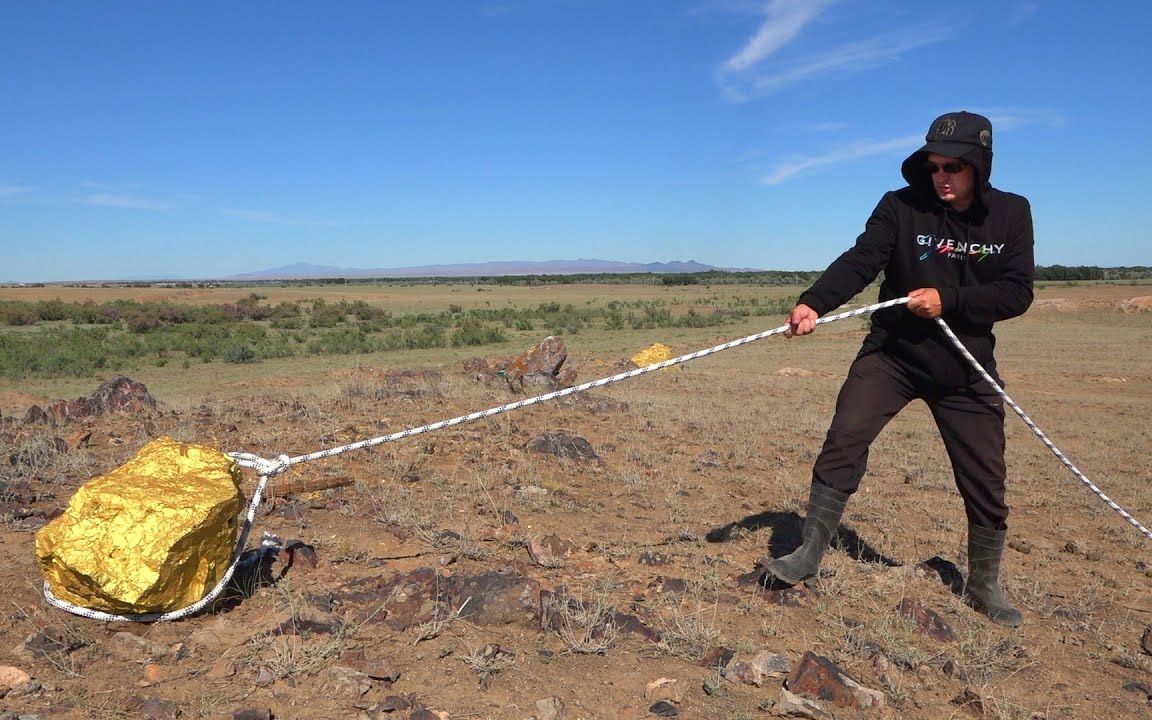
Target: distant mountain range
484 269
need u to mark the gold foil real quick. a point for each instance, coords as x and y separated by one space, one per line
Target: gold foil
655 353
154 535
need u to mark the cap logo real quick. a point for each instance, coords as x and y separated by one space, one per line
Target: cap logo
946 127
985 138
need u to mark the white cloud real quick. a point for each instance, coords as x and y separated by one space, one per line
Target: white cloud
11 190
1010 118
124 201
266 218
760 67
859 149
786 18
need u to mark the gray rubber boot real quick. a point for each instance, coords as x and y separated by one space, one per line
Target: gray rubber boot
982 592
825 506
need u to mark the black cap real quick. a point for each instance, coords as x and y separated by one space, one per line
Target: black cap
955 134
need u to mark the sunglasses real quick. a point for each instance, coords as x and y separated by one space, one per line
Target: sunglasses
949 167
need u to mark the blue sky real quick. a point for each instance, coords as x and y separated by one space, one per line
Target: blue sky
213 138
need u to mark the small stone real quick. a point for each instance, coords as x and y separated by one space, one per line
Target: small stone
1021 546
152 675
550 708
970 701
264 677
221 669
155 709
11 677
717 657
791 705
649 557
663 709
1071 547
392 703
664 688
252 715
927 620
1146 640
133 648
770 664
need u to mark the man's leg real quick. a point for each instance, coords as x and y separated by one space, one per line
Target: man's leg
971 423
875 390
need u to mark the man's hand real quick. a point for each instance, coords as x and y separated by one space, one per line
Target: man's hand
801 321
925 303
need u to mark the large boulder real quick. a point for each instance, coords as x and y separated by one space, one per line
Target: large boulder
152 536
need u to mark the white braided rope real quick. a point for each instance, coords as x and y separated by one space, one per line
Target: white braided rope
268 468
1038 432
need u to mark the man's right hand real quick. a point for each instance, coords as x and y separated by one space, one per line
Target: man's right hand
801 321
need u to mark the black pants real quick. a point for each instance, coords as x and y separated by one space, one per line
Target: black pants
970 420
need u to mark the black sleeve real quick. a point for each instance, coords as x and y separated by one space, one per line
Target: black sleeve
1011 293
856 267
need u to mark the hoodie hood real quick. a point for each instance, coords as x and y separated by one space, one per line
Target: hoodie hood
962 135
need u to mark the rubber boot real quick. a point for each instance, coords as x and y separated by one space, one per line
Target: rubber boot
825 506
982 592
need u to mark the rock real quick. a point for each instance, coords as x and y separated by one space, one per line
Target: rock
120 394
252 715
392 703
79 439
770 664
36 415
741 672
717 657
153 708
375 667
221 669
133 648
663 709
183 499
653 558
340 680
970 701
790 705
816 676
550 708
539 365
152 674
926 619
51 640
11 677
563 444
1021 546
264 677
664 688
1146 640
547 551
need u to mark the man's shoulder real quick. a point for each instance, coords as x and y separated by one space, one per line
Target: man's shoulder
1003 198
908 197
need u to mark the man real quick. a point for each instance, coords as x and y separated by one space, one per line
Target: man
962 251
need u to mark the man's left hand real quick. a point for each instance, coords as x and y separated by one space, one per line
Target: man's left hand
925 303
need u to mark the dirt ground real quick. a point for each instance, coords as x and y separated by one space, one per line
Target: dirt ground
465 574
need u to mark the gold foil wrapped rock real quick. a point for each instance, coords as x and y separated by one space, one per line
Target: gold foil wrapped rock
152 536
655 353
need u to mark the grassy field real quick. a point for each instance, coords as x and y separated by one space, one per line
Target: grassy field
445 556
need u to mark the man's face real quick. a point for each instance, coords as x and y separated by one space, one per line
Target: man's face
954 188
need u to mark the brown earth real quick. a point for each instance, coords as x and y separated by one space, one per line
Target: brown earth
464 573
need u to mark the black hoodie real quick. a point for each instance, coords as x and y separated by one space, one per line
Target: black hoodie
980 260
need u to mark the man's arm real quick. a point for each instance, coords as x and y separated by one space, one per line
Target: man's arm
850 273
